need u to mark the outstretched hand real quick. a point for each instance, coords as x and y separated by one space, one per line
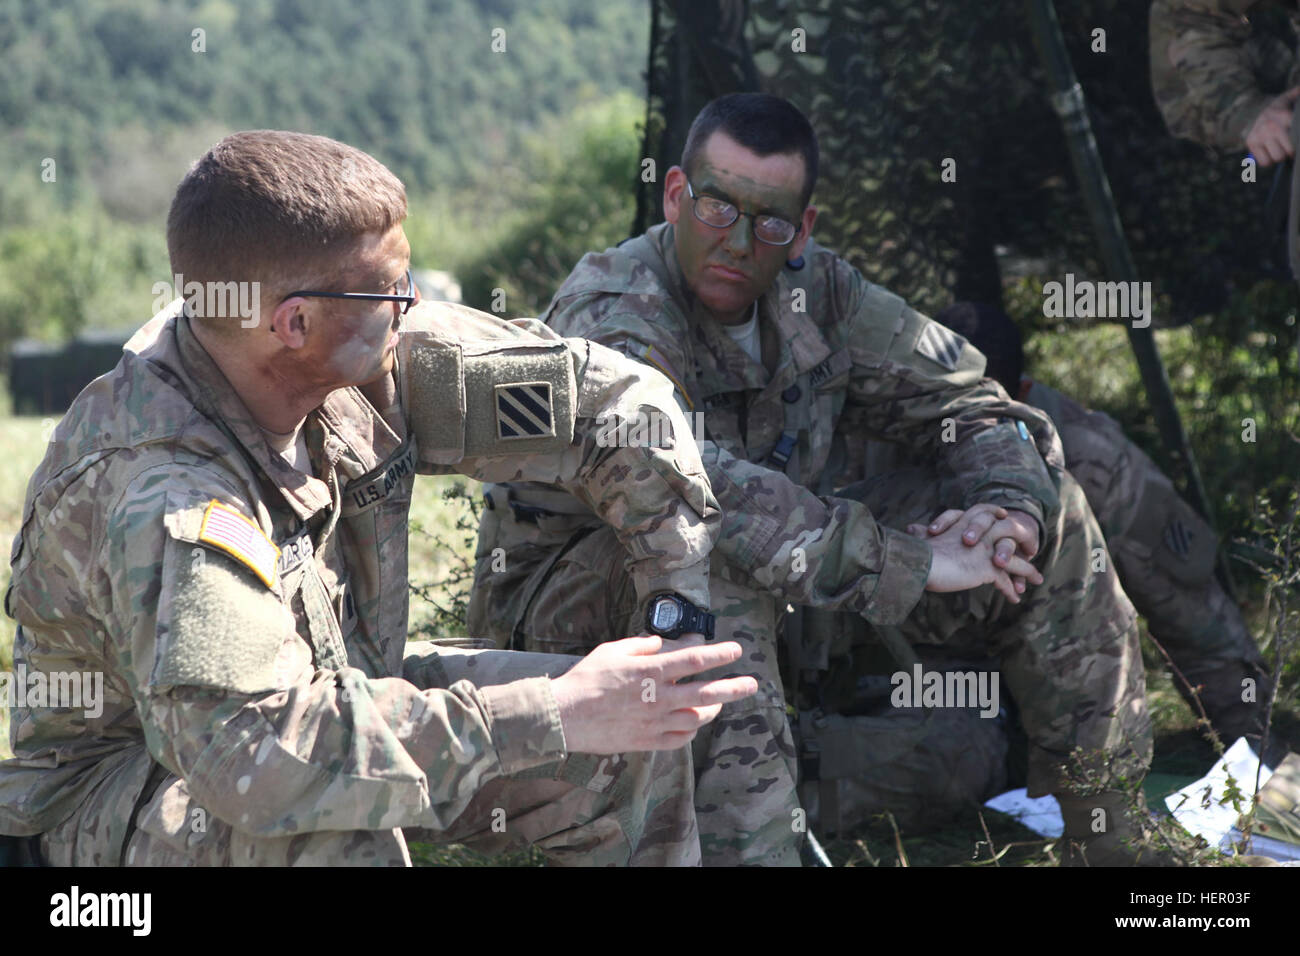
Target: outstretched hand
624 695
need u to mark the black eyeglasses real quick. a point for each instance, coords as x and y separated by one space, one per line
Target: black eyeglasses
406 294
720 214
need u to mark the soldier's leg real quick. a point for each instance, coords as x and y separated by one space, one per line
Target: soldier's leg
1190 615
627 809
1068 652
746 769
924 766
632 808
512 556
745 782
861 755
587 598
1165 554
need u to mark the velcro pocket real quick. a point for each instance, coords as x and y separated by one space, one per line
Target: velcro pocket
519 399
220 625
433 395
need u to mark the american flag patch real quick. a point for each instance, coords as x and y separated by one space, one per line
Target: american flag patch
524 410
938 344
225 528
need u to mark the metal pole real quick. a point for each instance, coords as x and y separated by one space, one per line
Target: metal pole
1068 101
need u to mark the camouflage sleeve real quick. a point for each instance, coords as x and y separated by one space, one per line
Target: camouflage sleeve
821 552
654 494
916 383
1201 74
230 698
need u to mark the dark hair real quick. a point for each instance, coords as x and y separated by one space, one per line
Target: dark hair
994 333
762 123
277 207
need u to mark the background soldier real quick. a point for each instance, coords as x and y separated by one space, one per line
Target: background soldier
927 767
792 358
220 527
1222 81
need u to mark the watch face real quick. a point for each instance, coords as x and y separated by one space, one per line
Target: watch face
665 615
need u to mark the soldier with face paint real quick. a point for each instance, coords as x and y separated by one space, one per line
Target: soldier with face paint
790 359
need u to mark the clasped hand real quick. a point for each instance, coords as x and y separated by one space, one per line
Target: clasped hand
985 544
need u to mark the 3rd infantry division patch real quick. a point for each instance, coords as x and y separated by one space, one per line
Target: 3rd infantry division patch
940 345
524 410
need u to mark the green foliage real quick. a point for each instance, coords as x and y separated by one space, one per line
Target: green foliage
1224 368
579 198
415 82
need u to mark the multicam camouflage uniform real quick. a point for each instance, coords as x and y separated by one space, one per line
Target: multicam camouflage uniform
928 767
1212 72
849 360
262 704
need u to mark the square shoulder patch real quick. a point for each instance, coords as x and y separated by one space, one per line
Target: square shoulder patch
940 345
524 410
225 528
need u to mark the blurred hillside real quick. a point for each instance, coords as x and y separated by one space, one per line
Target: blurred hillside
103 105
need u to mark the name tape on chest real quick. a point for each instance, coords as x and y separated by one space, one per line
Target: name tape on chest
830 369
940 345
294 552
226 529
370 490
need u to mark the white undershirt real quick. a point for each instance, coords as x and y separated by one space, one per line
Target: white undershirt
292 447
746 336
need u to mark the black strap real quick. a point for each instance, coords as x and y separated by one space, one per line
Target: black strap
780 455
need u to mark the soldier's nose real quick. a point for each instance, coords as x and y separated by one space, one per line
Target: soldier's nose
739 241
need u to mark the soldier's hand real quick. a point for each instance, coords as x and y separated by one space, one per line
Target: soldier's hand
624 695
1269 137
1011 532
958 565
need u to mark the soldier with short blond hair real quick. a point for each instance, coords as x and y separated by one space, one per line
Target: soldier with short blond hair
219 527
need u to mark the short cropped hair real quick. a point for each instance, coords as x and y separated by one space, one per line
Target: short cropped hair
278 208
762 123
995 334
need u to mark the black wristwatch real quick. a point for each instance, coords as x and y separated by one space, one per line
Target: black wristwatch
671 615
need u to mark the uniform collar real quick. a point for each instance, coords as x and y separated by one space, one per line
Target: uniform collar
214 396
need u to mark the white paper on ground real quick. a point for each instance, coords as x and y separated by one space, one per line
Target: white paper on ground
1218 824
1040 814
1198 809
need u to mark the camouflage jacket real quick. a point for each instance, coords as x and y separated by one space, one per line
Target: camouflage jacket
250 620
1211 73
850 360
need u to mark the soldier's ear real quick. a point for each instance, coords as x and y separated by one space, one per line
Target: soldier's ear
289 322
674 190
805 233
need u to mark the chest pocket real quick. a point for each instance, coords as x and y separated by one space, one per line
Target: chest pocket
304 590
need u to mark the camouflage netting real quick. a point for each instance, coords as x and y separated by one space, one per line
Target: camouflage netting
896 86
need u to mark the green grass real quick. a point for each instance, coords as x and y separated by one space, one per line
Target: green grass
23 440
